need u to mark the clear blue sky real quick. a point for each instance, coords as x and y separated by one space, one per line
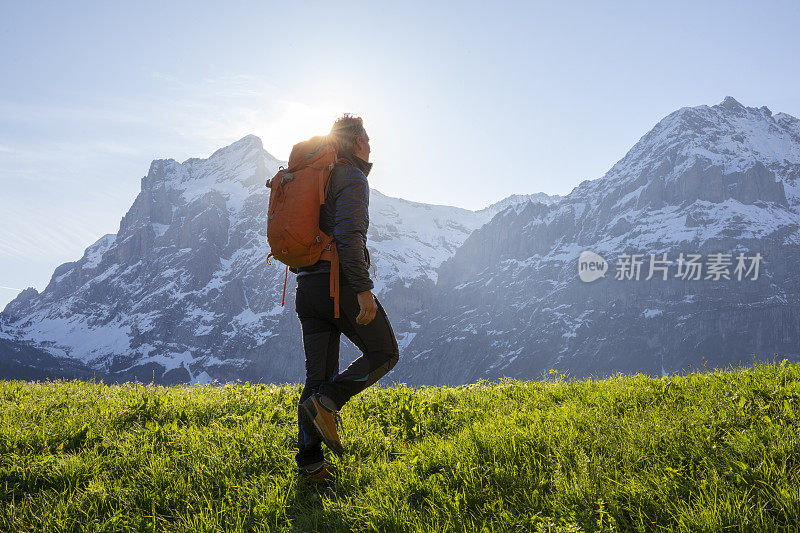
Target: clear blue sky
465 103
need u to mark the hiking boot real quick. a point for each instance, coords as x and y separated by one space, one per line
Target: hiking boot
320 475
325 421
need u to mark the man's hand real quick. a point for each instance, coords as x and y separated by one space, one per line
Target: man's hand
366 301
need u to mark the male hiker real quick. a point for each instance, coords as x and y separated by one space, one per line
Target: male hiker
361 317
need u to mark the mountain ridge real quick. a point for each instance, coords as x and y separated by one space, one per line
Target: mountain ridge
510 296
183 291
188 262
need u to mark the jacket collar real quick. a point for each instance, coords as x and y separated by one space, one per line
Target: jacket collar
359 163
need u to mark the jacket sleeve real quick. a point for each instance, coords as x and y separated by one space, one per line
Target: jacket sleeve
351 220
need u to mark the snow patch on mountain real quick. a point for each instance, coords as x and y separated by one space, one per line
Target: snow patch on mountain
409 240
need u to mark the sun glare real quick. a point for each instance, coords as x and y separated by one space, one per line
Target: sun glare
295 122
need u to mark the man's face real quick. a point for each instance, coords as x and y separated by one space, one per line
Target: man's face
362 147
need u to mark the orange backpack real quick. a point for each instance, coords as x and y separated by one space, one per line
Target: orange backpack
296 194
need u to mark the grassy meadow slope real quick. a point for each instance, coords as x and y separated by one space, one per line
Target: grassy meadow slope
700 452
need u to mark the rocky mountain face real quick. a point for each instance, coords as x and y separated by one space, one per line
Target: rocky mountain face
704 181
182 293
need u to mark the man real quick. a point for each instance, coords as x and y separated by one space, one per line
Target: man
345 215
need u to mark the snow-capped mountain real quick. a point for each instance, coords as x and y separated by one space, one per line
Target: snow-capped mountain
518 200
183 292
704 180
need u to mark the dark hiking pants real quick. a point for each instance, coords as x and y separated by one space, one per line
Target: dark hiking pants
321 335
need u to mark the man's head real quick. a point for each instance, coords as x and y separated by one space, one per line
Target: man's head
351 135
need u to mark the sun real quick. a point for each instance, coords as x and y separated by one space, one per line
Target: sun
294 122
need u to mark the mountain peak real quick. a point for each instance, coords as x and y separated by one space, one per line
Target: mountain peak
730 103
520 199
21 300
245 144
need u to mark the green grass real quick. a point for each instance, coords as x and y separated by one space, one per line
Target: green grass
713 451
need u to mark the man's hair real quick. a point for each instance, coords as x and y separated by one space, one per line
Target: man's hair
347 129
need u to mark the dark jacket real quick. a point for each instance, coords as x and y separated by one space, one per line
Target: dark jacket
345 215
